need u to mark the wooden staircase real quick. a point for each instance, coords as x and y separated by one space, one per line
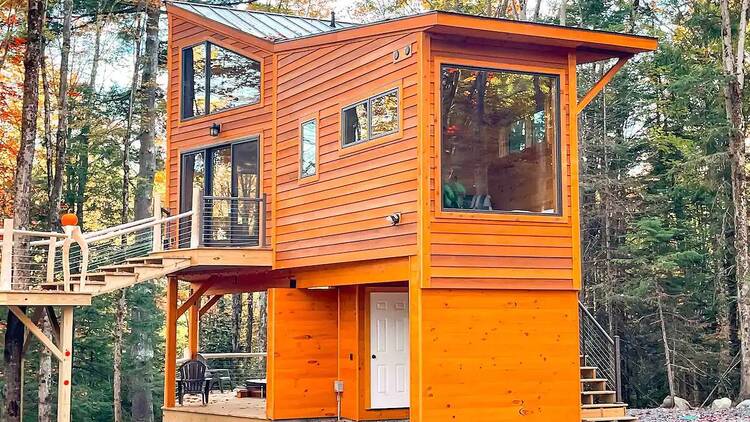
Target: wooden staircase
598 403
113 277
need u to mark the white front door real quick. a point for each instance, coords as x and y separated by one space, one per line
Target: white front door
389 350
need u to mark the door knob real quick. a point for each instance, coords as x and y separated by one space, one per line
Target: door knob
374 357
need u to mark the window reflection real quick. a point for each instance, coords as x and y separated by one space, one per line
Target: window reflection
355 124
308 148
385 114
499 147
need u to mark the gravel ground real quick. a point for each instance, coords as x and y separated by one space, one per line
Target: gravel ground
701 415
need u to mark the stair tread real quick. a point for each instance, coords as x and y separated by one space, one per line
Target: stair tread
593 379
610 419
589 367
603 405
104 273
593 393
115 267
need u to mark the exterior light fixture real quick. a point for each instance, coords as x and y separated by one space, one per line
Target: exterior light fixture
215 129
394 218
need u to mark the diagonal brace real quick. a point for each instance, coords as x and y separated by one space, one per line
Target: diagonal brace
597 88
36 331
194 298
209 304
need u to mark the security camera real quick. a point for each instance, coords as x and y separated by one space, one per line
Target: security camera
394 218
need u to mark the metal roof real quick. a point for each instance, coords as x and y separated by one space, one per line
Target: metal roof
269 26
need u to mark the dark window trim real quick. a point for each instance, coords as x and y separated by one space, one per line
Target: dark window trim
368 101
207 107
301 148
558 144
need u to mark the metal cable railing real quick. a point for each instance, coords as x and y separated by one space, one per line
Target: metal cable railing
601 350
233 221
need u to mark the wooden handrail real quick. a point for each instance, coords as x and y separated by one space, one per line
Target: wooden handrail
139 227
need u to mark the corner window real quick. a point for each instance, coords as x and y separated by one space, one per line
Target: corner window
308 153
499 141
216 79
372 118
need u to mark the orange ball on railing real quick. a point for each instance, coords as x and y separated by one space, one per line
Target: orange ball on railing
69 219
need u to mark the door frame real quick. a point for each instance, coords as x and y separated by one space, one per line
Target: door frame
368 346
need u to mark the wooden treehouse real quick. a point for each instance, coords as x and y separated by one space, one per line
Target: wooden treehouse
406 192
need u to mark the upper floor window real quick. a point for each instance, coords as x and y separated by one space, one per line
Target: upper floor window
372 118
216 79
499 141
308 153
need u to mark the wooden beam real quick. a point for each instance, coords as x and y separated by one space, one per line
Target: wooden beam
597 88
65 374
54 322
35 318
36 331
170 349
211 302
194 328
195 297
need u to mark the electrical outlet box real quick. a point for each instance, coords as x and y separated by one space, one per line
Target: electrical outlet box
338 386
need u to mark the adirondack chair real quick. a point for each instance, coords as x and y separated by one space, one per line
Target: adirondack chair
193 380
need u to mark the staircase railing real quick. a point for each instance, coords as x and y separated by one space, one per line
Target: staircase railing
601 350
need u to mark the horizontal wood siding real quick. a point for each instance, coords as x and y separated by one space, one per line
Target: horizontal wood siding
491 252
340 216
302 348
236 124
499 355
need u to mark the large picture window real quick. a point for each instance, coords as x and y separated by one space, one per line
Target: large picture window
499 141
369 119
216 79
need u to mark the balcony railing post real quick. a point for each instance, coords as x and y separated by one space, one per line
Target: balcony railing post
6 267
196 223
262 222
618 369
156 243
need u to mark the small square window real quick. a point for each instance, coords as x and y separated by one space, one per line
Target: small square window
369 119
308 148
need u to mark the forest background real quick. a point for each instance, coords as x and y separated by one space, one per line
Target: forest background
662 163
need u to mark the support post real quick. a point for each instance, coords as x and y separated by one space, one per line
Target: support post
6 265
170 349
194 328
51 250
196 235
157 245
64 384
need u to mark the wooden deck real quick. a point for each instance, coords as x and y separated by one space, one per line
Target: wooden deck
44 298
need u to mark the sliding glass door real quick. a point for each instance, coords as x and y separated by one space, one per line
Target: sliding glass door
229 178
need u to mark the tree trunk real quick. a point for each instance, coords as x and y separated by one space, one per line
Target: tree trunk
44 394
14 331
250 322
49 148
734 65
147 155
563 12
61 139
125 197
117 356
236 321
262 323
667 351
83 154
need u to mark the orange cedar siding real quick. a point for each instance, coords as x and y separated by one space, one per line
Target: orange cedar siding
236 124
493 355
302 353
497 252
340 217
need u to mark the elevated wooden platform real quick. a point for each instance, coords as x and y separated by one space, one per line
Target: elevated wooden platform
222 256
44 298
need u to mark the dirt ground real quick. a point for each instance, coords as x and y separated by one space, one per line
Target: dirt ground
701 415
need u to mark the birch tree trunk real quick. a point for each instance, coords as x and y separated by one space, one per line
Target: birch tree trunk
44 394
14 330
61 139
250 322
236 321
117 356
667 351
734 71
262 323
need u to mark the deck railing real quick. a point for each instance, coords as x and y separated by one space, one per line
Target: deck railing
30 259
601 350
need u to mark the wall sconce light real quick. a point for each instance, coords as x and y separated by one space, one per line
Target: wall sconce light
215 129
394 218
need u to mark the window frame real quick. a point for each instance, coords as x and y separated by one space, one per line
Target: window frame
314 117
207 43
383 137
563 100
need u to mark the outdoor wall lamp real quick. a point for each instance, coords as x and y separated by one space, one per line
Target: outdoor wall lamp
394 218
215 129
